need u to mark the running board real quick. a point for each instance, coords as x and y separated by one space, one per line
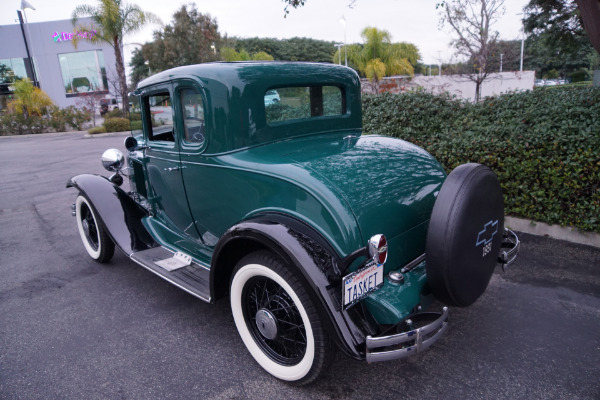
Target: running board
193 278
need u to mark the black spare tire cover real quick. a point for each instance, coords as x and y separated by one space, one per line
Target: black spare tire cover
465 234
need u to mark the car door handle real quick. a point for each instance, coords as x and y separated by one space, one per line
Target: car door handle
173 169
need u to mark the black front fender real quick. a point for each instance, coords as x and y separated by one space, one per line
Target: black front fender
119 213
317 263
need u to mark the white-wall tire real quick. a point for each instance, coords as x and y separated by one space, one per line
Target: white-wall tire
292 365
95 239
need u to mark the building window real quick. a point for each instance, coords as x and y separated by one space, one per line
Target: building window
12 69
83 72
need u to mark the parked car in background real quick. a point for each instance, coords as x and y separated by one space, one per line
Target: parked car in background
318 235
108 104
272 97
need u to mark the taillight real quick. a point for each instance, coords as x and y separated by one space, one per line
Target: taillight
378 248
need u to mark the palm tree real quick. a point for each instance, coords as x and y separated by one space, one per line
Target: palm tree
379 57
112 21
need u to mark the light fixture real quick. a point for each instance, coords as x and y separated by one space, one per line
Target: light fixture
26 6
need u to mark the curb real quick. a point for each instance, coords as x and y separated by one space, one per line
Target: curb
87 135
83 134
553 231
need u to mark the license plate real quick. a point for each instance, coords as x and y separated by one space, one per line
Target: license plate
359 284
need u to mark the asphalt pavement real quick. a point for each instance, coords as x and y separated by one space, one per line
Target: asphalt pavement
73 329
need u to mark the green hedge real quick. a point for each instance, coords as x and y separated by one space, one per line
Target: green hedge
543 144
116 124
96 130
136 125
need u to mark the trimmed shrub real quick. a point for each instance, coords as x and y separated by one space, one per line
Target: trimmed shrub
72 116
115 113
544 145
136 125
116 124
97 129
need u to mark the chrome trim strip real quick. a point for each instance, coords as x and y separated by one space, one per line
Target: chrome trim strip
416 336
511 242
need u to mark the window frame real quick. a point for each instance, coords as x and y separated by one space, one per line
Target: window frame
100 76
178 88
316 103
160 90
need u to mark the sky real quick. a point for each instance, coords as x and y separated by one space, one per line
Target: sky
413 21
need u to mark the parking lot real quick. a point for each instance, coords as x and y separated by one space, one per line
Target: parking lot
73 329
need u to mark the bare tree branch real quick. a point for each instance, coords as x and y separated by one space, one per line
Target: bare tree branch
471 21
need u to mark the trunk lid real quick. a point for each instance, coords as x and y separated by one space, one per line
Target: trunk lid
390 185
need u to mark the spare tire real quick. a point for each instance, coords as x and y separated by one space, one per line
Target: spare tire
465 235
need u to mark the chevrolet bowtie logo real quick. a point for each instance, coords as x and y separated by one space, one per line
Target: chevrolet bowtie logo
487 234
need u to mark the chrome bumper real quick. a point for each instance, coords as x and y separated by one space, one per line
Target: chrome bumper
509 249
400 345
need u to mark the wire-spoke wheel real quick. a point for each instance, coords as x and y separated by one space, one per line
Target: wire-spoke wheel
93 234
277 319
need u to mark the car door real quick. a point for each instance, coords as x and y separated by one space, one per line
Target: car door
190 100
163 163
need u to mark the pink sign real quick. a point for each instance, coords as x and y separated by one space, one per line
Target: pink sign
64 36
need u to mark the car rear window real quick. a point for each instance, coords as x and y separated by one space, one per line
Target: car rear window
293 103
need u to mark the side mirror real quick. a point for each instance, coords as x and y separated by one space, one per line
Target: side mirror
112 160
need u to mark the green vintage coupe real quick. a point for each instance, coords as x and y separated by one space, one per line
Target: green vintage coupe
254 181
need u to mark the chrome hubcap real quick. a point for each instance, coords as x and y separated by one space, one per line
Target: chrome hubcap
266 323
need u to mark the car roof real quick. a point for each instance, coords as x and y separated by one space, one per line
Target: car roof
235 91
259 73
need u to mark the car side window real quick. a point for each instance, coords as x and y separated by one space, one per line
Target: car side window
291 103
159 109
193 116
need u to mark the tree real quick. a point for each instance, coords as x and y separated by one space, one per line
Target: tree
191 38
379 57
90 101
471 21
139 67
556 38
28 110
112 21
294 49
506 53
29 100
300 3
230 54
590 15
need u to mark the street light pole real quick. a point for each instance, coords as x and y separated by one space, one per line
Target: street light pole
522 46
522 42
343 22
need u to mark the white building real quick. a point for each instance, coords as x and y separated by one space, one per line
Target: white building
61 70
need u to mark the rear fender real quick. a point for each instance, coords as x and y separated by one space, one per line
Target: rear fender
311 256
119 213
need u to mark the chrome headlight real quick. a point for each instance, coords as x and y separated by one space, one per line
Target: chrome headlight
112 160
